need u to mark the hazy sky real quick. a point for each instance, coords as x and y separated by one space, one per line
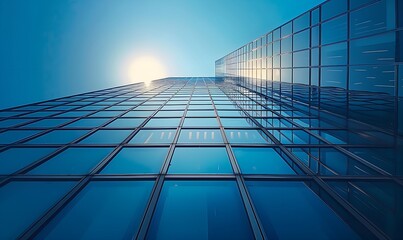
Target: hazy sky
54 48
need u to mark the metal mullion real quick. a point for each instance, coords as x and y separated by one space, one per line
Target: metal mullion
38 225
364 221
156 191
254 220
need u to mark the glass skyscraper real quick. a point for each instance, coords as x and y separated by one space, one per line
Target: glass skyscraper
299 136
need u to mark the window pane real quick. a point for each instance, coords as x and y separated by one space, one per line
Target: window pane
153 136
329 28
273 199
375 18
335 54
126 123
301 22
200 160
236 122
12 136
200 136
102 210
137 161
373 79
200 122
58 137
200 114
88 123
107 137
14 159
246 136
301 40
169 114
333 8
301 59
334 77
261 161
73 161
47 123
22 203
373 50
163 122
138 114
200 210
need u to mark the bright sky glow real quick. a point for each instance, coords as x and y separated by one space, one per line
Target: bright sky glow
145 69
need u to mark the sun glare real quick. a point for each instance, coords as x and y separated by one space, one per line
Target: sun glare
145 69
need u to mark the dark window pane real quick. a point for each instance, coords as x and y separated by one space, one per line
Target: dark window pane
376 18
22 203
126 123
335 54
261 161
12 136
102 210
373 79
73 161
301 40
153 136
378 49
200 160
301 22
58 137
200 209
273 199
246 136
337 25
333 77
333 8
301 59
107 137
137 161
200 136
14 159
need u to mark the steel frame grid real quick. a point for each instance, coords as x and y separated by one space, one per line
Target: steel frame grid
259 233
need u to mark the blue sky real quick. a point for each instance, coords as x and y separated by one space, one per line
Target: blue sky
54 48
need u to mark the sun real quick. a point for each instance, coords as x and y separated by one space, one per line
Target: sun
145 69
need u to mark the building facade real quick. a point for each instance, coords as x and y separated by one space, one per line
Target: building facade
297 137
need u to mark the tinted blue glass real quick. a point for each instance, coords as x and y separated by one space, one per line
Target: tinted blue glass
12 122
88 123
315 16
301 59
378 49
58 137
222 113
315 36
261 161
246 136
107 114
286 45
200 122
126 123
47 123
22 203
40 114
315 57
74 114
357 3
301 40
138 114
373 79
301 22
335 54
380 199
163 122
154 136
14 159
169 114
200 114
73 161
337 25
333 8
273 199
286 60
375 18
107 137
286 75
136 161
200 160
102 210
236 122
200 210
286 29
334 77
200 136
301 75
12 136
